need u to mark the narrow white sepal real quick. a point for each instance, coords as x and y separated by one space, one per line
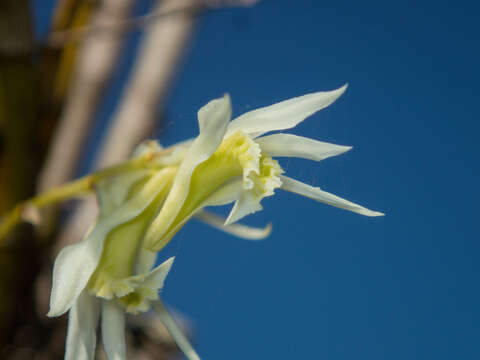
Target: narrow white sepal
82 328
316 193
285 114
113 330
299 146
177 335
213 119
240 230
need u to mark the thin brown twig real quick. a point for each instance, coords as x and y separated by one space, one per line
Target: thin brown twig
62 38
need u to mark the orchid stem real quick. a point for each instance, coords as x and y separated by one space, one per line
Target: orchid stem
80 187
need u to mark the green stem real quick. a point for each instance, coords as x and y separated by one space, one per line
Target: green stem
75 188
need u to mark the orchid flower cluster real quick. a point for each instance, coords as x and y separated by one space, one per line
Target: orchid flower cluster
143 205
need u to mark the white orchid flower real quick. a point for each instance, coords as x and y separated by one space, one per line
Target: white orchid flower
110 273
145 201
233 162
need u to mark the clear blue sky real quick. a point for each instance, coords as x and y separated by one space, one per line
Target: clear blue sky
328 284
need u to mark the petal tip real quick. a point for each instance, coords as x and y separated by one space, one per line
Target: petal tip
371 213
52 312
169 261
229 220
267 231
344 148
339 92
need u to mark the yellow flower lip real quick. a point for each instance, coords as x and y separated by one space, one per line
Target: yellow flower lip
237 158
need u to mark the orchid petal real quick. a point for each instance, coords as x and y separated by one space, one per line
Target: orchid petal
73 267
113 330
285 114
111 193
175 331
144 261
82 328
228 193
213 119
246 204
316 193
156 277
242 231
76 263
299 146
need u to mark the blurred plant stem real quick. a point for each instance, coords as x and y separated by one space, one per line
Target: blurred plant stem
145 94
56 66
94 66
18 114
77 188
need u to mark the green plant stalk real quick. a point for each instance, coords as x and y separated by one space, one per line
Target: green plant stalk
76 188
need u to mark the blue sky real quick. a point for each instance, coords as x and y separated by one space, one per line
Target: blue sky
328 284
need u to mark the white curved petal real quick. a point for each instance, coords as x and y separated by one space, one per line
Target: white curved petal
175 331
113 330
246 204
213 119
82 328
299 146
316 193
242 231
76 263
285 114
73 267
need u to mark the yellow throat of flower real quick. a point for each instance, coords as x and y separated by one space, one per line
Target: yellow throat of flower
238 156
